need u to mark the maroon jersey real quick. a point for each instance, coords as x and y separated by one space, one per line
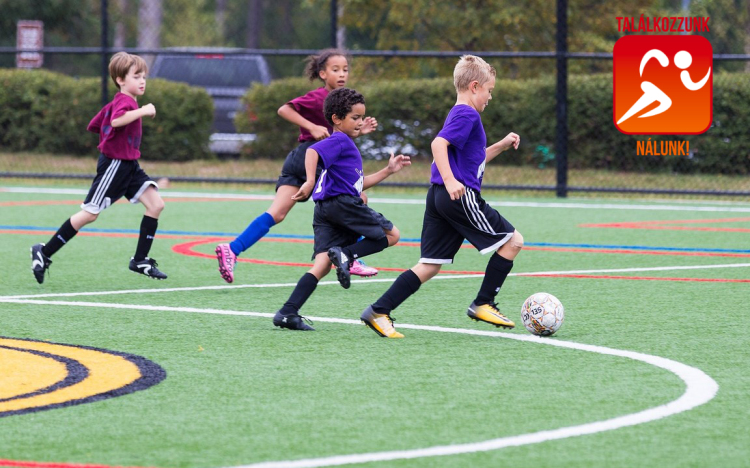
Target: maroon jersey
310 106
121 142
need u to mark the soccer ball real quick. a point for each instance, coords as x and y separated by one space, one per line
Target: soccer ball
542 314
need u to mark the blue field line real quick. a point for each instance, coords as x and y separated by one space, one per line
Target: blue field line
310 237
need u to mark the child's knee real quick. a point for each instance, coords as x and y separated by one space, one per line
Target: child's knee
516 241
394 235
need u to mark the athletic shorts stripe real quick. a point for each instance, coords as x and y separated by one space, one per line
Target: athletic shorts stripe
104 184
473 212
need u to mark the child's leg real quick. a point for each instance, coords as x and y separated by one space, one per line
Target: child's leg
498 268
141 263
154 206
67 231
368 246
227 254
41 253
259 227
288 316
377 316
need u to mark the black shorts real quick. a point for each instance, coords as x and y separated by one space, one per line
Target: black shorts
115 178
293 171
448 222
341 220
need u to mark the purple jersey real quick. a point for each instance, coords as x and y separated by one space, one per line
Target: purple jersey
310 106
121 142
342 167
467 150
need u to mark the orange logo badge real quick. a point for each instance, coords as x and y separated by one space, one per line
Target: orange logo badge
663 84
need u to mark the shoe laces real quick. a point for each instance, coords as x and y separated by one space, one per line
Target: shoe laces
495 309
305 319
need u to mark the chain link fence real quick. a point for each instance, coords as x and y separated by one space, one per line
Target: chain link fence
569 140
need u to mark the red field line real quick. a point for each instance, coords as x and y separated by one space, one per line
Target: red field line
32 464
669 225
642 278
187 249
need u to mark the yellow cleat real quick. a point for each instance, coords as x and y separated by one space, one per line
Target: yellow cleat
382 324
489 313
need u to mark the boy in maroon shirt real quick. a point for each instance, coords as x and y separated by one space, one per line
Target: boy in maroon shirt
118 173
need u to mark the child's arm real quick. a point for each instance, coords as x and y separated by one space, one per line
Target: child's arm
311 166
440 153
289 114
510 140
131 116
395 164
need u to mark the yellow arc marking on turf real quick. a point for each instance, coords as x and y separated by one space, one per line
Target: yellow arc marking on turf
25 372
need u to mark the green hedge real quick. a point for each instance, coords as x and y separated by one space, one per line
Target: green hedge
410 112
42 111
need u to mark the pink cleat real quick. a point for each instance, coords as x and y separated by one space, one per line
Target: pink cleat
360 269
227 260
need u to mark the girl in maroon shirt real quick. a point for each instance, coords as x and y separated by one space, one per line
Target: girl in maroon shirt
332 68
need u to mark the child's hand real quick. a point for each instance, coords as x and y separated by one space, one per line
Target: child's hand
319 133
455 188
396 163
149 110
511 140
304 192
369 125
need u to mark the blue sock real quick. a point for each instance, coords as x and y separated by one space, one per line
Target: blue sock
257 229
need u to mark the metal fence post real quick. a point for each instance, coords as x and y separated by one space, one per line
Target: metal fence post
561 95
105 62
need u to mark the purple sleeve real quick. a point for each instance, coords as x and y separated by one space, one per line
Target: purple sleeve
328 150
457 131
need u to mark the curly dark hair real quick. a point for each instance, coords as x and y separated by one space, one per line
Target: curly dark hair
339 102
317 63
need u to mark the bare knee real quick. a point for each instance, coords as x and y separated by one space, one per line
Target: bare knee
516 241
82 218
510 249
278 217
156 207
394 235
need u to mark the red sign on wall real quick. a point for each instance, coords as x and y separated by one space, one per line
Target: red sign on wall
29 36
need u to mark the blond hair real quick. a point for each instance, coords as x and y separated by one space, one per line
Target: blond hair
472 68
120 64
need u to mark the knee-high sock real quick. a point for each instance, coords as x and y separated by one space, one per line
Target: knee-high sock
405 285
302 292
366 247
146 237
252 234
494 276
61 237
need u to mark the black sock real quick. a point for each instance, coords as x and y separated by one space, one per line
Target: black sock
304 289
497 270
405 285
366 247
148 231
61 237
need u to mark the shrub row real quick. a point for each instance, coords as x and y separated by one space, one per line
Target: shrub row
411 112
42 111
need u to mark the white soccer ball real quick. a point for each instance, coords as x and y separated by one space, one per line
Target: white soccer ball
542 314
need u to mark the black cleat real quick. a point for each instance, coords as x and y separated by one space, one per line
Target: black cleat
147 267
39 262
342 264
292 322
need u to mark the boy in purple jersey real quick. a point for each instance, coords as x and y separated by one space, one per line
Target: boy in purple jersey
340 215
117 172
332 68
455 209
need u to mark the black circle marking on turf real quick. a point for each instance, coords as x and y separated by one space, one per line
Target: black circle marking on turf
151 374
77 372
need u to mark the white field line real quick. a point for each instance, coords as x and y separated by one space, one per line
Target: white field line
675 206
371 281
700 388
